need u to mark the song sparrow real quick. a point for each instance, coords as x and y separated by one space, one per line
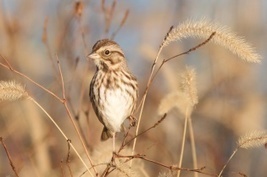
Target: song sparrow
113 89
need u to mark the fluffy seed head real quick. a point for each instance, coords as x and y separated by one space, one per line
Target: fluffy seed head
11 91
223 36
253 139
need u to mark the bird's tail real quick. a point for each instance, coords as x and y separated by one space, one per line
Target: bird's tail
106 134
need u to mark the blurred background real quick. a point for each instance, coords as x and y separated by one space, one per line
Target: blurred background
232 93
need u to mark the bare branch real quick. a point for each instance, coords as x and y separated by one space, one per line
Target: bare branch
184 53
9 157
121 24
8 66
68 158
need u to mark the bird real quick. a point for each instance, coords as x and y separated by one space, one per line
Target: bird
113 88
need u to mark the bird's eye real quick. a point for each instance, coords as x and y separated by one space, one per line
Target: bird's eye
107 52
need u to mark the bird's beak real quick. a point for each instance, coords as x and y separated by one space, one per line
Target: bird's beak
93 56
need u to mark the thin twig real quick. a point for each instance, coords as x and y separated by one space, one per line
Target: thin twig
123 144
153 126
68 158
9 157
110 167
62 169
145 94
170 167
126 14
183 53
230 158
85 73
232 155
63 134
8 66
61 79
152 77
192 49
46 43
80 137
65 103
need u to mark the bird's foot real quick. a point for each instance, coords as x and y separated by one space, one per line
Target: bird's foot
133 120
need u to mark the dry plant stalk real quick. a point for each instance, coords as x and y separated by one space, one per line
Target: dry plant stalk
63 134
10 67
250 140
200 29
9 157
184 99
12 91
62 100
188 89
223 37
188 86
247 51
116 164
143 100
153 74
68 159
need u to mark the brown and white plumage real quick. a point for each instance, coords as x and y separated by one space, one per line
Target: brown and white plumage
113 89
